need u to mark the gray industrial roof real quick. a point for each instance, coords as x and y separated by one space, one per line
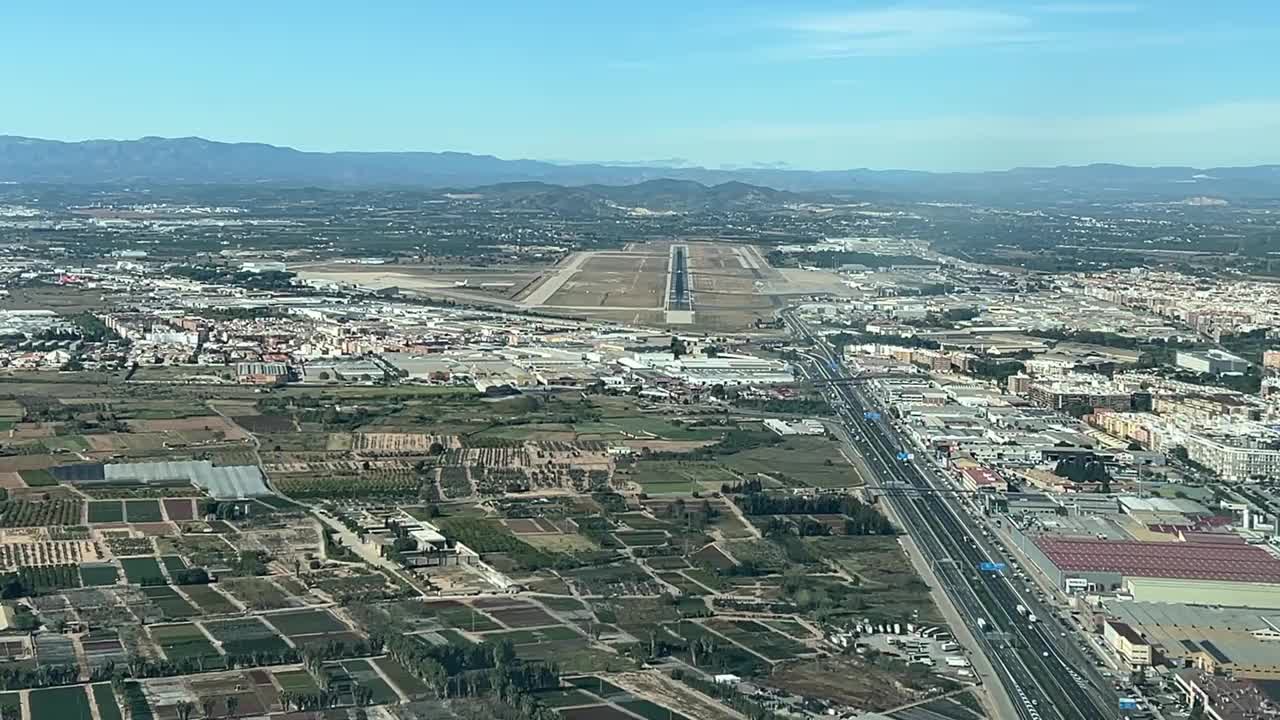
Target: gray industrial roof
222 483
155 471
1140 614
231 482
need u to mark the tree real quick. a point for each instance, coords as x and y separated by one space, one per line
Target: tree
208 705
184 709
233 703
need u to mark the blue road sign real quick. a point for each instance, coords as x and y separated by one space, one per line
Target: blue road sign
871 415
991 567
1128 704
904 455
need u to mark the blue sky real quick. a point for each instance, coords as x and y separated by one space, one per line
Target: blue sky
929 85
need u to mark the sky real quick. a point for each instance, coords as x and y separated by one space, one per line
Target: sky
943 85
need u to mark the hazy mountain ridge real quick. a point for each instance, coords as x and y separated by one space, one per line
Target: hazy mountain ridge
665 195
199 161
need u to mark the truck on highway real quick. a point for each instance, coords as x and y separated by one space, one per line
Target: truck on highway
1031 617
982 625
1021 610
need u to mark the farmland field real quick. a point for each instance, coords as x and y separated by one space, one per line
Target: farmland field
179 508
758 638
305 622
169 602
10 700
106 511
461 616
173 563
142 570
244 636
565 697
364 673
92 574
403 679
595 712
811 461
142 511
105 699
518 617
889 586
681 476
63 703
298 681
650 711
182 641
257 593
642 538
209 600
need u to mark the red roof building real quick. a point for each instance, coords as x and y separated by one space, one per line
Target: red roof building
1231 562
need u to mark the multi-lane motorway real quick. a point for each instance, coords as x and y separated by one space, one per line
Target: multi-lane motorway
1044 673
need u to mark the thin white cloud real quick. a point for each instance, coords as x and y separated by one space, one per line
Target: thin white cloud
917 30
905 21
905 30
1088 8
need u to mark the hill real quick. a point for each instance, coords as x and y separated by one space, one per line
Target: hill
191 160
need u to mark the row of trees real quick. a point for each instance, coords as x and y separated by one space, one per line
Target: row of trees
861 519
13 677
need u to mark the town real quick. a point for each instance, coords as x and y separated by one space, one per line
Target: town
825 467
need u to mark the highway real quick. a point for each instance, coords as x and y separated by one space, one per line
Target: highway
1046 675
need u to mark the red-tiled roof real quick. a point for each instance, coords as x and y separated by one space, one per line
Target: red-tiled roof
980 476
1186 560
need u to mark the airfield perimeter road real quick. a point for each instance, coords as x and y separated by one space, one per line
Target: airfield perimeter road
1046 675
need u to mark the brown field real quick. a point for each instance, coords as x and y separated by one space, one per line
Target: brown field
522 617
14 463
11 481
727 292
615 280
179 509
208 423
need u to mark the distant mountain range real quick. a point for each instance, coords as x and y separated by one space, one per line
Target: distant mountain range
158 161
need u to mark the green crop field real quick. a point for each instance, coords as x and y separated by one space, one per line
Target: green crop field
305 622
402 678
297 681
94 574
142 511
11 700
105 699
244 636
365 674
63 703
142 570
811 461
209 600
668 477
173 563
106 511
169 602
182 641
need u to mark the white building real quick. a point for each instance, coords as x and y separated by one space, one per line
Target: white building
1211 362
